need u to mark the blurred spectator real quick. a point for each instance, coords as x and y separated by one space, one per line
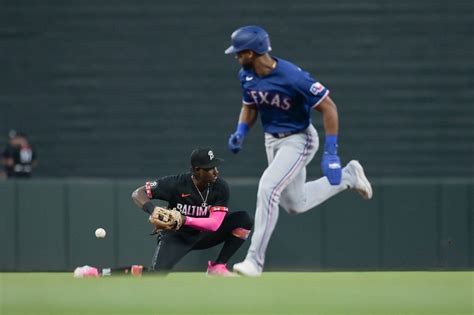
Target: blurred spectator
19 158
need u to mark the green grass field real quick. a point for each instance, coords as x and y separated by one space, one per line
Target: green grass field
274 293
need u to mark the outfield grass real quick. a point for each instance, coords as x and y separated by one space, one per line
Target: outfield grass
274 293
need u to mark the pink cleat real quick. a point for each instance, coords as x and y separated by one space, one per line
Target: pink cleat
219 270
86 272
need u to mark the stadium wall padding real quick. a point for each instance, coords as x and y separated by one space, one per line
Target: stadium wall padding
409 225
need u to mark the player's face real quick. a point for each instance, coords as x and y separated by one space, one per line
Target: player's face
245 58
208 175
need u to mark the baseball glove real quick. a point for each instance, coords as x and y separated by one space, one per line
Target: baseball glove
166 219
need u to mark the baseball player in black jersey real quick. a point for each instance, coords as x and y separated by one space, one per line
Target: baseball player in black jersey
201 198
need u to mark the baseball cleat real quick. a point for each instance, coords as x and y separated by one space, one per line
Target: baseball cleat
360 182
219 270
247 268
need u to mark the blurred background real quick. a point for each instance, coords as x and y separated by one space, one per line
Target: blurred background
108 94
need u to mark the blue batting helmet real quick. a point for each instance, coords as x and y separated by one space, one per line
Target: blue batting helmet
249 37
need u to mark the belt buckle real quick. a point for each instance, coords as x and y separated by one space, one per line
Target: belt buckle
281 135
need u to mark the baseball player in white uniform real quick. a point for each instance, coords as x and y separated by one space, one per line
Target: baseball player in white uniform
284 95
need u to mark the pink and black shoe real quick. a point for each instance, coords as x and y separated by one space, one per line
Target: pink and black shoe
219 270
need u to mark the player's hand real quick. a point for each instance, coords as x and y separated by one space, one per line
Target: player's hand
331 167
235 142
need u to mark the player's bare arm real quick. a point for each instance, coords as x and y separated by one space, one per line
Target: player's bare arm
140 197
330 117
248 114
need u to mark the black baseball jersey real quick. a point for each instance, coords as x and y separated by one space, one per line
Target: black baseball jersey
181 193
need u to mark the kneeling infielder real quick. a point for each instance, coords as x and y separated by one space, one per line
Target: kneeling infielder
199 216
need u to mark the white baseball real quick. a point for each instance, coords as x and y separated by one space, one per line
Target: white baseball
100 233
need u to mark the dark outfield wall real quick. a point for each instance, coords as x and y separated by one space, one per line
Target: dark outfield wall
49 225
128 88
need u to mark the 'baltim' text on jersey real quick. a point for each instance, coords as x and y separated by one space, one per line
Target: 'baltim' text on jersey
191 210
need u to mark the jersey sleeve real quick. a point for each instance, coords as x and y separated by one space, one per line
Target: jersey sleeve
161 188
246 97
312 91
